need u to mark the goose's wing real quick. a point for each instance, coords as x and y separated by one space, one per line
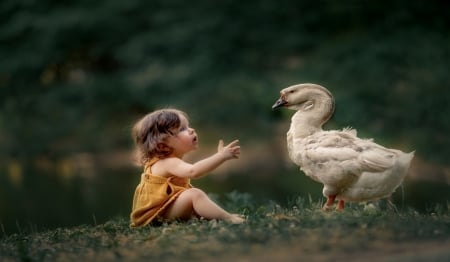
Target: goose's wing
343 152
375 158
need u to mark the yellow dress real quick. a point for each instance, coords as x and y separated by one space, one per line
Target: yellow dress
154 194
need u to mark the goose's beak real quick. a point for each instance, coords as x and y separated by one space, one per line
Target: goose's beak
279 103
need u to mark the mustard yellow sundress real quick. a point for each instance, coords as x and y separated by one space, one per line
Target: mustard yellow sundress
154 194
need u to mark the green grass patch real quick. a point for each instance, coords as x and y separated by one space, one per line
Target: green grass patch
300 229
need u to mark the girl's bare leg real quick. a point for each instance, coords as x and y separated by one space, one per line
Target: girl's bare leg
196 201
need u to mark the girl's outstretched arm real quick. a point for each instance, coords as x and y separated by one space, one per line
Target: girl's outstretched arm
178 167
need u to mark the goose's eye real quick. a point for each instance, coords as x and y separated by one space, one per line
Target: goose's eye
291 91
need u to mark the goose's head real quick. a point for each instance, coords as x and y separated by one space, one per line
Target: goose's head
311 100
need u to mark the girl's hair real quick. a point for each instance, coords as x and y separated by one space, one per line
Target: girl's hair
152 130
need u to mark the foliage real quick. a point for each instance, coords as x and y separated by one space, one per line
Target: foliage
271 232
72 73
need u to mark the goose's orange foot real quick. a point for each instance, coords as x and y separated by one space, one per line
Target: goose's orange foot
329 204
340 206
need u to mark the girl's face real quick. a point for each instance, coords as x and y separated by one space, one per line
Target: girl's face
185 140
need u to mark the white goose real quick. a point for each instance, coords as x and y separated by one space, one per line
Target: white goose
350 168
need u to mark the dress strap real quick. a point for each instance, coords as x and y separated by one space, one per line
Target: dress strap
150 163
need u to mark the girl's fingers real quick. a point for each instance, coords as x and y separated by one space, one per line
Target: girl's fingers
233 148
234 143
220 146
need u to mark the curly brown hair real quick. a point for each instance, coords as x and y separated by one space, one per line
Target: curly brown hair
152 130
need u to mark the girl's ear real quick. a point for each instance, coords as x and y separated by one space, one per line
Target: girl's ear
164 149
161 146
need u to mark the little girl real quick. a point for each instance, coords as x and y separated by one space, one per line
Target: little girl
162 138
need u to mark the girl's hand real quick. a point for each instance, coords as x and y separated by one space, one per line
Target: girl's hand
232 150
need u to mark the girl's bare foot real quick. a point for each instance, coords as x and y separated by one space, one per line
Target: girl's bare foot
236 219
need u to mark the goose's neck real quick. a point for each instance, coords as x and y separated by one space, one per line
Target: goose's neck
303 126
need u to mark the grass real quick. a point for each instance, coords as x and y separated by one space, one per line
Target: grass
299 231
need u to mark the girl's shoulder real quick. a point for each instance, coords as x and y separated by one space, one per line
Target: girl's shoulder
162 166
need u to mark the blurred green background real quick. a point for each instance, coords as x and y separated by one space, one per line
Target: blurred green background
76 75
